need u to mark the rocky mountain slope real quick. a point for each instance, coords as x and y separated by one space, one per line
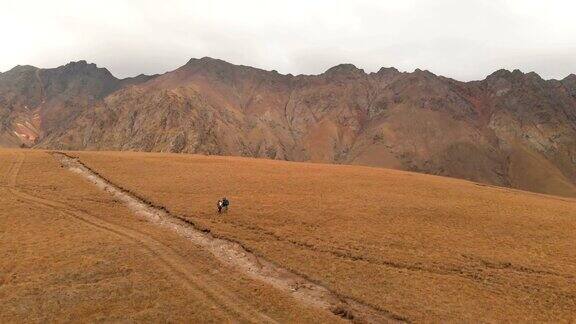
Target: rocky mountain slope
511 129
35 103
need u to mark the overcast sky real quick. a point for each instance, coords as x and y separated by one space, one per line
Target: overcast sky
463 39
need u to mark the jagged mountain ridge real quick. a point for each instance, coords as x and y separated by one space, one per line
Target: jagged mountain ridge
36 102
511 129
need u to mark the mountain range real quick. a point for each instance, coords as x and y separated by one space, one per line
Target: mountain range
512 129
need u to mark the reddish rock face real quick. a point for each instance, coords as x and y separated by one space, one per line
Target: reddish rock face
39 102
511 129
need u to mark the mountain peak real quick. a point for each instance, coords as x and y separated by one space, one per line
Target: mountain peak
22 68
345 69
518 73
80 64
83 67
387 70
515 74
499 74
418 71
206 60
534 76
571 77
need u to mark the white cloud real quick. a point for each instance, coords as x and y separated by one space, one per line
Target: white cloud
461 39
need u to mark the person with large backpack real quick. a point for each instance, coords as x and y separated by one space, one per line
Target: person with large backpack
223 205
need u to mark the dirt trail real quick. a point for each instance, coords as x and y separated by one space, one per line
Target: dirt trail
234 254
165 256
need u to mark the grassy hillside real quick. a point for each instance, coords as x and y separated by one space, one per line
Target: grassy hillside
424 247
70 253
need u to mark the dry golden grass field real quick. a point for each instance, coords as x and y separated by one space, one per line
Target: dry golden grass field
422 247
69 252
418 247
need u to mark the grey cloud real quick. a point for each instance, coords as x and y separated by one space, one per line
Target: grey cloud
461 39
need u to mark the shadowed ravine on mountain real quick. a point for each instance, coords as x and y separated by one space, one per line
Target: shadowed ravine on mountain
511 129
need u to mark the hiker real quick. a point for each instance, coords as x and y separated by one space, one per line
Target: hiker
223 205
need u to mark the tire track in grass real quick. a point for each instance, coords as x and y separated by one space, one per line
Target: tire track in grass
176 266
234 254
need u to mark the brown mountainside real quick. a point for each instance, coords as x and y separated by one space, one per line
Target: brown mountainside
511 129
34 103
